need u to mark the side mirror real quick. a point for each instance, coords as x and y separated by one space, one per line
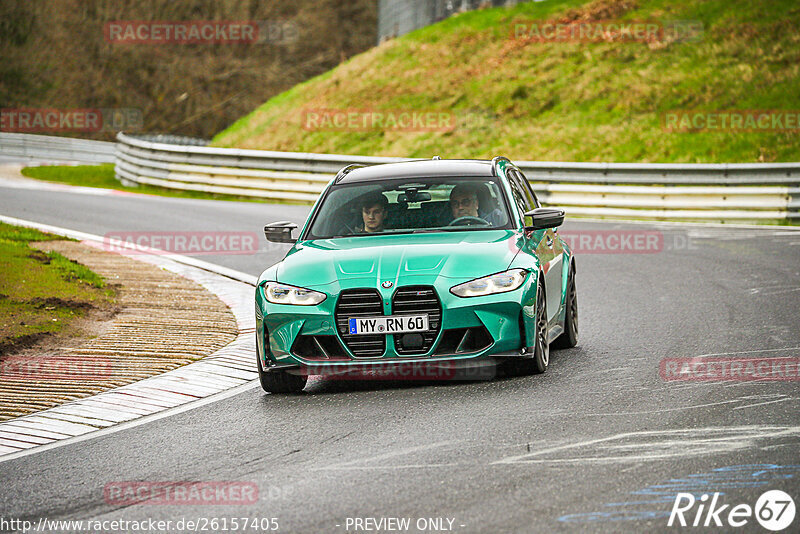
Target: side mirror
542 218
280 232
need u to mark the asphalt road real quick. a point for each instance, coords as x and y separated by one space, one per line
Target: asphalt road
601 442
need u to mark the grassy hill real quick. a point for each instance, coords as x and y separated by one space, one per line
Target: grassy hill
562 101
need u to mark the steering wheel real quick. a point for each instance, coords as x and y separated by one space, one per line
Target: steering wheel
469 220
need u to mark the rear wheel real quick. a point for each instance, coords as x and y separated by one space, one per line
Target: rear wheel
279 381
570 336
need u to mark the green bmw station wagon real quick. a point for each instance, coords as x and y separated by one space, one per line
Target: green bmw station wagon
448 263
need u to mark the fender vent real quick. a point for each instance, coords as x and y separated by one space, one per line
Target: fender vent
323 348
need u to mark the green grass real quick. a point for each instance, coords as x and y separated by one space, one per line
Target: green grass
40 292
102 176
84 175
557 101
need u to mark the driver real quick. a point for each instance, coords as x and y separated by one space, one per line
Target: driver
464 203
374 208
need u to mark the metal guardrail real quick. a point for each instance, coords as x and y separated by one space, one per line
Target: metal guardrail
398 17
47 148
615 190
172 139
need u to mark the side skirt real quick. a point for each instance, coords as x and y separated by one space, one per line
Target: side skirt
555 331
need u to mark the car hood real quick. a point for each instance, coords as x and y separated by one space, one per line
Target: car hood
396 258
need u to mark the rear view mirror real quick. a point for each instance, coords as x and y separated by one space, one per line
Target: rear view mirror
413 196
542 218
280 232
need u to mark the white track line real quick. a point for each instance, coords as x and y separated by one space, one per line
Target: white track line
229 371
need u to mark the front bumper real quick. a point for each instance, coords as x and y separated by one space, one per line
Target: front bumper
480 368
503 317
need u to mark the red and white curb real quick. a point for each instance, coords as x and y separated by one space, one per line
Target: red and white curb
219 375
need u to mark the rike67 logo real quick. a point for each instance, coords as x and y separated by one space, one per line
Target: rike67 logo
774 511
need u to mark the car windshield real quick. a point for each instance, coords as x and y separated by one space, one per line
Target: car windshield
410 206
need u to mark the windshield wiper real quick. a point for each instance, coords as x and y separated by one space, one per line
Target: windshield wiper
366 234
466 228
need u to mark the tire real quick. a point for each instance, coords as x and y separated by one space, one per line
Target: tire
280 381
541 349
569 338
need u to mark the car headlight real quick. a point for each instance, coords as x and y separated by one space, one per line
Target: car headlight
490 285
277 293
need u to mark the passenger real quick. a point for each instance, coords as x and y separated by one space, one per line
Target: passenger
464 203
374 209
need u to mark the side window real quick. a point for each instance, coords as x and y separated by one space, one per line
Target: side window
529 191
519 197
522 183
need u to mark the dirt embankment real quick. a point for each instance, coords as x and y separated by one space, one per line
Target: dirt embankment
161 321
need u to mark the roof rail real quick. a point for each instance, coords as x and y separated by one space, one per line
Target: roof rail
496 160
346 169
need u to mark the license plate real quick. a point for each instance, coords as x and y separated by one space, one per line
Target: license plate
391 324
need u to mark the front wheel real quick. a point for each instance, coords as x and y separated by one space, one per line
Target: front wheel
279 381
541 348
